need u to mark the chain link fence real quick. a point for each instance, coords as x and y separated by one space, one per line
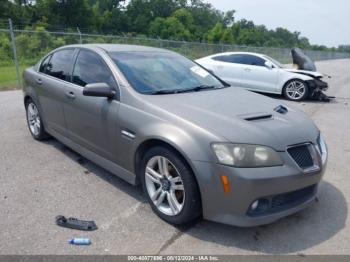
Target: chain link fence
22 48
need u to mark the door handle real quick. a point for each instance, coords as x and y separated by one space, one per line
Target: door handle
70 95
39 81
247 69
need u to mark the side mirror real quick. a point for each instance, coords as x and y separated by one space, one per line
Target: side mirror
268 64
98 90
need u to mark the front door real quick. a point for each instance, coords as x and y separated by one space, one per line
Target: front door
92 121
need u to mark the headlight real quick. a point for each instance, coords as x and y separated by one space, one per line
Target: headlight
243 155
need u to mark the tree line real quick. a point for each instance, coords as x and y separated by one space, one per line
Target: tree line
193 20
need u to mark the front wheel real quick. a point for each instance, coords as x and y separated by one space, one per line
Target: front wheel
170 186
296 90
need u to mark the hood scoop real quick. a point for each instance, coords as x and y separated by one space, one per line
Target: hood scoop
281 109
255 116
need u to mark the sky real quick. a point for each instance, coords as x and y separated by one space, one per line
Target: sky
323 22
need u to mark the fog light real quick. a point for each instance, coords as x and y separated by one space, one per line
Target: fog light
259 207
254 205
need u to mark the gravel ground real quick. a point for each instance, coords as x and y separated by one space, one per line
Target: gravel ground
39 181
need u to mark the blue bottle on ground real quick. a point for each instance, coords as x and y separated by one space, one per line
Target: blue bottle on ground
80 241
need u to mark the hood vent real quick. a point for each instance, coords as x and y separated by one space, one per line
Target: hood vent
256 116
281 109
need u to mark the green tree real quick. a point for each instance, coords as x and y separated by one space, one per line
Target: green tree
184 16
169 28
205 18
227 36
65 13
171 19
229 18
215 34
141 13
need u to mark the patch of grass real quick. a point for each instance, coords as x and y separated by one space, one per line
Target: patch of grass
8 78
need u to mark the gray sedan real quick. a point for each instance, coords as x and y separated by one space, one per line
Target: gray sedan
199 147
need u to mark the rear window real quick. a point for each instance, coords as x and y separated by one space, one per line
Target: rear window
60 64
44 65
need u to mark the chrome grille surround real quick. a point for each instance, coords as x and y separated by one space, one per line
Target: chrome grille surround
307 150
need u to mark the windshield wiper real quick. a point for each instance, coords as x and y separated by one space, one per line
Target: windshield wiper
163 92
184 90
201 87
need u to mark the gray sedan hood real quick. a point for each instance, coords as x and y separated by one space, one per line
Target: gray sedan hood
239 116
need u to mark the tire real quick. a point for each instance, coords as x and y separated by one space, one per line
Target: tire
296 90
34 122
188 206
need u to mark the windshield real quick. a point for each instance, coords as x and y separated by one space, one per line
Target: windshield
274 61
163 72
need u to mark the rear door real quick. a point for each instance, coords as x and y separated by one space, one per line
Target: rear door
256 76
92 122
228 68
51 82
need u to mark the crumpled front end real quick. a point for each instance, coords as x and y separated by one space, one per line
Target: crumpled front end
316 88
307 67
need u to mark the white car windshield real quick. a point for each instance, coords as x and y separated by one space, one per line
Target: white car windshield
163 72
274 61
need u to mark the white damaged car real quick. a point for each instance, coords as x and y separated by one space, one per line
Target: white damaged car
261 73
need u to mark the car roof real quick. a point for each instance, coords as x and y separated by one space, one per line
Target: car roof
119 48
236 53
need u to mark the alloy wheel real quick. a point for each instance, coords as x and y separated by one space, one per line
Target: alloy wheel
33 119
164 185
295 90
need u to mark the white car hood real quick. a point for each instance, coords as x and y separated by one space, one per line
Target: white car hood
304 72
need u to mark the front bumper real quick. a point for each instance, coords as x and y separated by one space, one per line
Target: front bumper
250 184
317 84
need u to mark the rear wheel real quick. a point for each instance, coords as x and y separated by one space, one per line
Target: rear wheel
34 121
296 90
170 186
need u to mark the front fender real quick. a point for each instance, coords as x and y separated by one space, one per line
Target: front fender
191 147
192 142
289 76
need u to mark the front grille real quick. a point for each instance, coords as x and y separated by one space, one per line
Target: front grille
301 156
277 203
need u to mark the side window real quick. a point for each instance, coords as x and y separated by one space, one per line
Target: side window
90 68
45 65
59 64
253 60
235 59
221 58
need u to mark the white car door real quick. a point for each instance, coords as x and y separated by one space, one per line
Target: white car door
223 67
258 77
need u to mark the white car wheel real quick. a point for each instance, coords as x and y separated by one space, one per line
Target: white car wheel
295 90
